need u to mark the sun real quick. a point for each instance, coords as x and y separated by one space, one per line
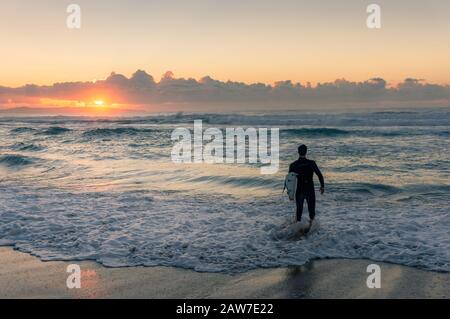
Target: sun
99 102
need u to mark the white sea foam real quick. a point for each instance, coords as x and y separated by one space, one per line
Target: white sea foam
213 233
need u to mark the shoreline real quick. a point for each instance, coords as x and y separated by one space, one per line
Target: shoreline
25 276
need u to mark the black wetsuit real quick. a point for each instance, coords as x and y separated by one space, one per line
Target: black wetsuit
305 169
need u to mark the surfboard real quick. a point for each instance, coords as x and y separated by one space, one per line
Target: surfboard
290 184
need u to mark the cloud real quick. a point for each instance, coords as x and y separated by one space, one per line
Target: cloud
171 92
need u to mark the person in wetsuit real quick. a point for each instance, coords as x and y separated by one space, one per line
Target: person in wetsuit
305 168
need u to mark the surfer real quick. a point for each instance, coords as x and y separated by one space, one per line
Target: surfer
305 169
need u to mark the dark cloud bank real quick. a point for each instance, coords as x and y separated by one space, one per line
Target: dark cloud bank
190 94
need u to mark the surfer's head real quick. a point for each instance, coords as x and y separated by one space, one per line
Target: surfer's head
302 150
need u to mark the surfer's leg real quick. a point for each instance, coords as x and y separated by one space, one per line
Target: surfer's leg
311 200
300 199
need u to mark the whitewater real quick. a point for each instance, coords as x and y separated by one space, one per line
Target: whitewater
105 189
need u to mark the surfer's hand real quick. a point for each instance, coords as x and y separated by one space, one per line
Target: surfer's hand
322 190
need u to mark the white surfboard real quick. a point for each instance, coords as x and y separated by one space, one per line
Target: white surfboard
290 184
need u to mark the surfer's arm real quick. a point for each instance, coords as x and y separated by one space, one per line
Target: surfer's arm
319 175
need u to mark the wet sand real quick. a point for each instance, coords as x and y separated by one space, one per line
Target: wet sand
25 276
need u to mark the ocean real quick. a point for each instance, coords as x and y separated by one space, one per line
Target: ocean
74 188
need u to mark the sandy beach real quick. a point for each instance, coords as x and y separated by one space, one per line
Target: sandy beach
25 276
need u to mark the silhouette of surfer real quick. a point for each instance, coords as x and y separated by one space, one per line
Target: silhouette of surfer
305 169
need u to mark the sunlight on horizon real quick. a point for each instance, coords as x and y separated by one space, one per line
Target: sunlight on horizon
99 102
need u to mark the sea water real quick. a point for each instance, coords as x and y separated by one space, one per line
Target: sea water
107 190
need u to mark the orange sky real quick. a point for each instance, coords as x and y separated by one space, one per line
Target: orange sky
254 41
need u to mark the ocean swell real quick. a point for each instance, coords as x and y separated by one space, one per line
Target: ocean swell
13 160
315 132
54 130
22 130
25 147
110 132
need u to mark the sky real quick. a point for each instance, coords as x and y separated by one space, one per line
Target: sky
246 41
